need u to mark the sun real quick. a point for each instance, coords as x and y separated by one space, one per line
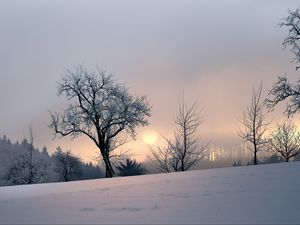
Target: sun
150 137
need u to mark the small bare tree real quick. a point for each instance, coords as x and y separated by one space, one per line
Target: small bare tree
100 109
67 165
285 140
24 164
30 163
253 126
282 90
184 151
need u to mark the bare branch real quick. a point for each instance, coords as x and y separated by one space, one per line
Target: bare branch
282 90
292 22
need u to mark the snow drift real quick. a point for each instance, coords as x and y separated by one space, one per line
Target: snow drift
253 195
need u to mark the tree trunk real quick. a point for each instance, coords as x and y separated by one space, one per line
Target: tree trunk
109 169
66 177
66 173
255 159
109 172
255 152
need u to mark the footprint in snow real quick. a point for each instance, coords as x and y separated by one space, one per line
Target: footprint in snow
103 189
87 209
129 209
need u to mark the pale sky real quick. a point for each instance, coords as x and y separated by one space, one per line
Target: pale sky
214 50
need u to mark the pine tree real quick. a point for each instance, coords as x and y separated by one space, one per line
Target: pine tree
131 168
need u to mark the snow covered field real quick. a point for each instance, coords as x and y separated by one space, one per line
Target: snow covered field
253 195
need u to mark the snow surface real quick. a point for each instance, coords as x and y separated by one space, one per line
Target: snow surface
252 194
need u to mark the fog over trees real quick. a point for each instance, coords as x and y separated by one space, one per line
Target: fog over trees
16 159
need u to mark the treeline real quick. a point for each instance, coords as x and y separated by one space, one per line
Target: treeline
273 158
22 163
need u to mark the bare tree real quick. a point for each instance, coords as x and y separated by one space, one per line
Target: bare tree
282 90
183 151
285 140
67 165
30 169
253 126
24 164
186 143
101 109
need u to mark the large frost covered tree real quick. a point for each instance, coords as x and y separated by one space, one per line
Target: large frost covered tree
101 109
283 90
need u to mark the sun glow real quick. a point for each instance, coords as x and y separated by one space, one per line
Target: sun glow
150 137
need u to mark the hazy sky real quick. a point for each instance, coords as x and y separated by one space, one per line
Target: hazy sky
214 50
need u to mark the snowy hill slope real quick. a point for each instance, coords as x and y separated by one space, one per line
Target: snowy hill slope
253 194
